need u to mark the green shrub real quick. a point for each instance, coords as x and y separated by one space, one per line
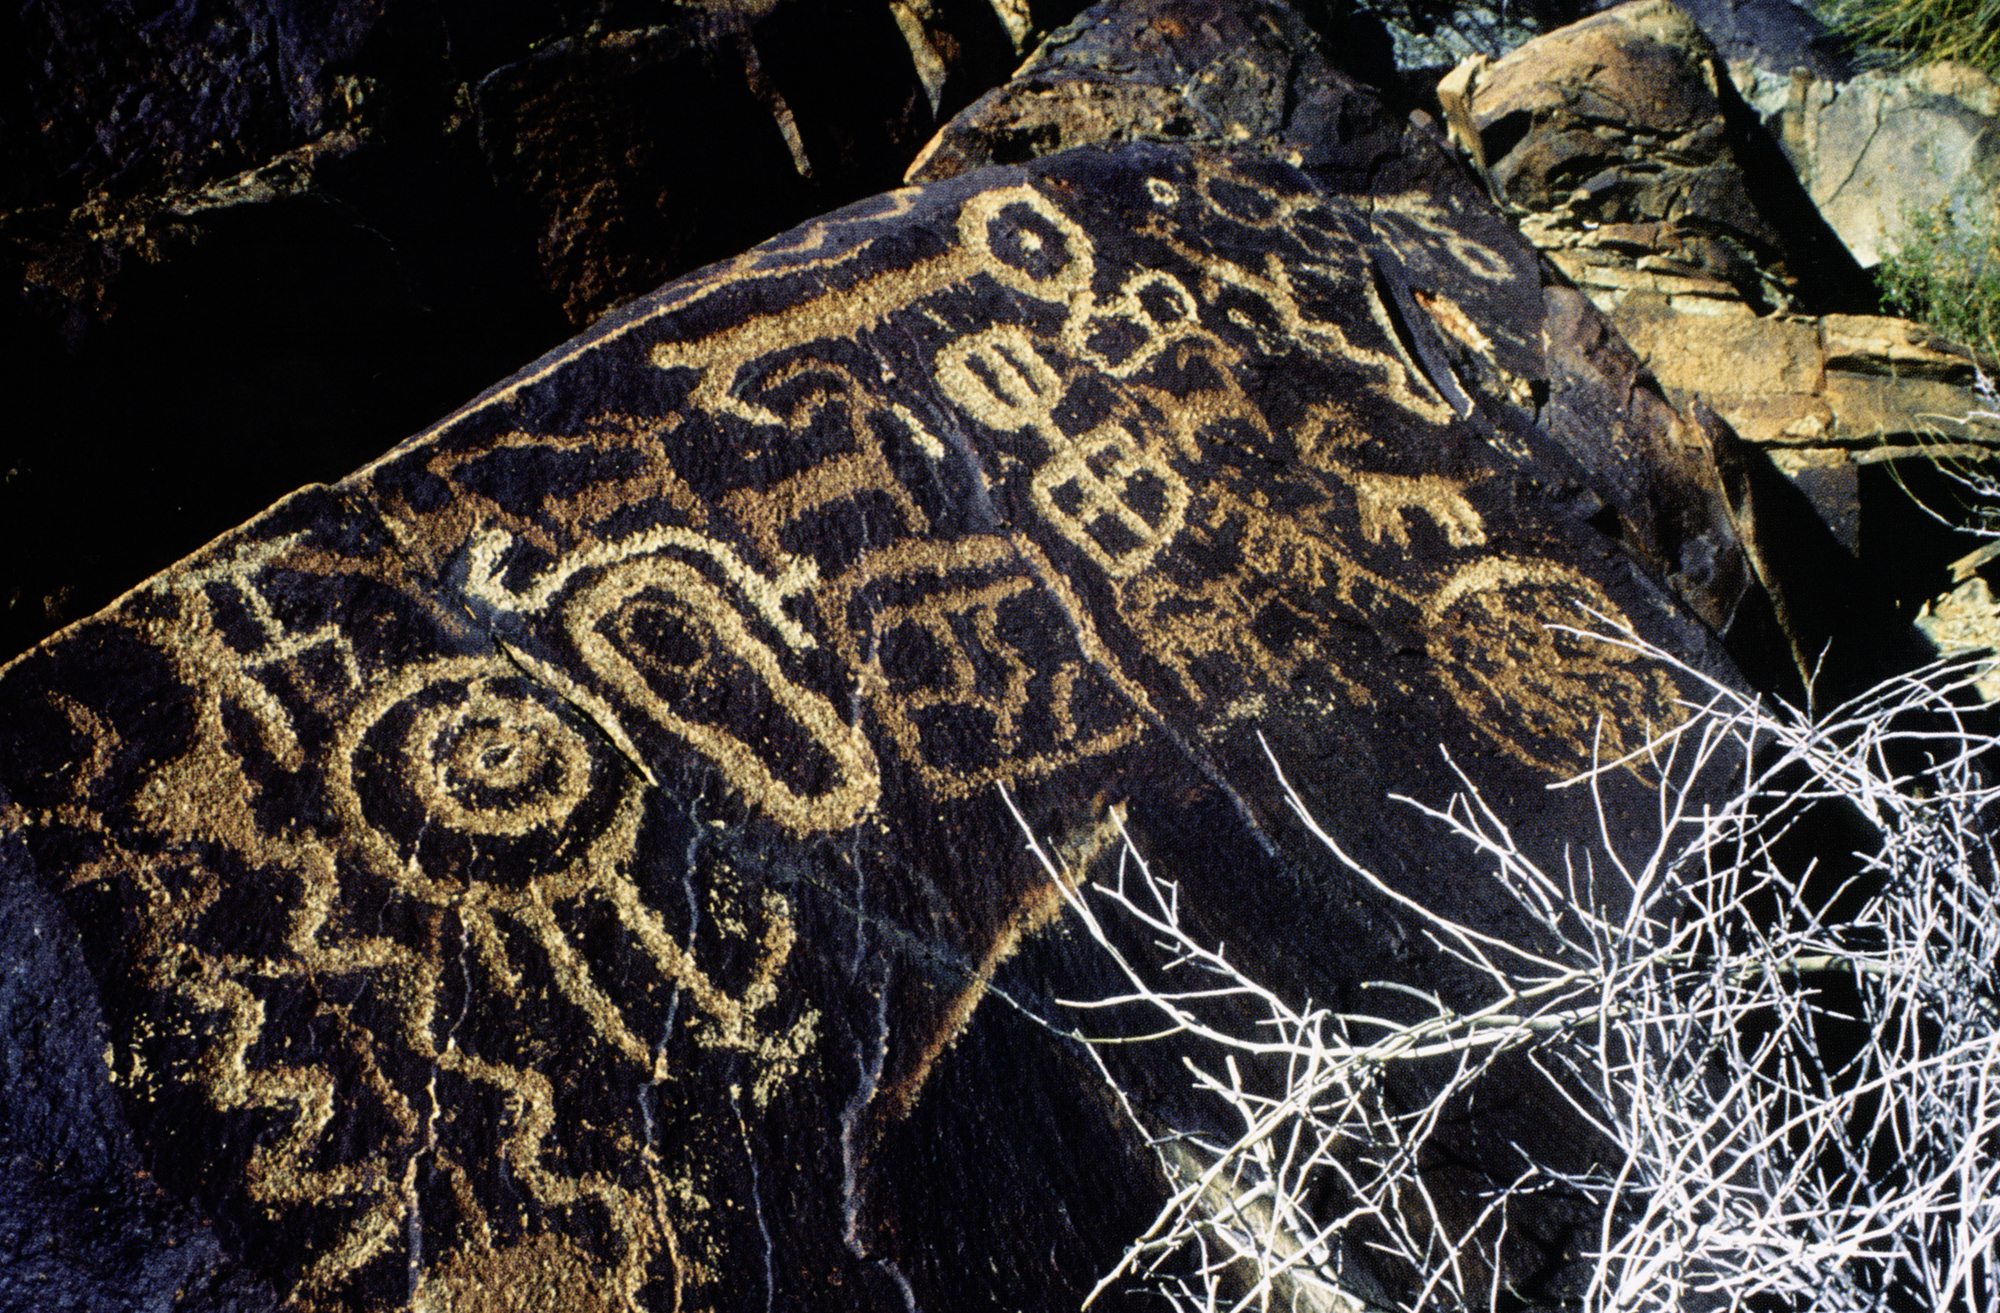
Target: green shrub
1921 31
1946 273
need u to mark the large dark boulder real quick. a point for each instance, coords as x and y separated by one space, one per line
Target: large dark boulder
355 214
564 864
128 99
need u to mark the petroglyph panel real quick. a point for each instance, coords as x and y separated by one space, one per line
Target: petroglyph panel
367 876
451 845
969 664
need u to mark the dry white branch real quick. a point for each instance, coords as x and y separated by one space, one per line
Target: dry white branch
1807 1109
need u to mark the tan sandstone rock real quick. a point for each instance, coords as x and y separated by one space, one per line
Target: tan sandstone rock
1966 622
1615 139
1855 382
1630 160
1888 144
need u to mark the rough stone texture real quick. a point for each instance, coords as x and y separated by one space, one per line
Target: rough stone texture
564 861
1436 36
1887 144
1427 37
124 99
157 339
1623 143
643 153
1628 159
584 116
82 1223
1144 72
1780 35
1965 622
1853 382
131 98
1855 410
354 214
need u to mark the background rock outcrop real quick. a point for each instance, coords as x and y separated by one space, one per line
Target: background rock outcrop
1623 144
1427 38
1631 161
1886 145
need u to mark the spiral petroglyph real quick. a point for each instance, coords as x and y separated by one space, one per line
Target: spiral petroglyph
463 774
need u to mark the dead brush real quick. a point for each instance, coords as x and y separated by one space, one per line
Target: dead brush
1763 1165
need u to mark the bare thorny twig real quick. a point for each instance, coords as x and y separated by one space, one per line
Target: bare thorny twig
1690 1027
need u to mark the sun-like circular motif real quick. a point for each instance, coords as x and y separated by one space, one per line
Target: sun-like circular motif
1512 641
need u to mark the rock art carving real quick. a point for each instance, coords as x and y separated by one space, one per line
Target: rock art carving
566 856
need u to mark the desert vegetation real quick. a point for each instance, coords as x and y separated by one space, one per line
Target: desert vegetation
1946 270
1946 274
1800 1068
1922 30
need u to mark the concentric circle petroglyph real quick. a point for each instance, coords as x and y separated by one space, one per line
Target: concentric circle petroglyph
495 762
1029 243
459 773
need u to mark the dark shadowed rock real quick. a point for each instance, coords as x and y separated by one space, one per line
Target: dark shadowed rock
82 1223
131 98
157 339
638 154
125 100
355 214
584 114
1250 76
